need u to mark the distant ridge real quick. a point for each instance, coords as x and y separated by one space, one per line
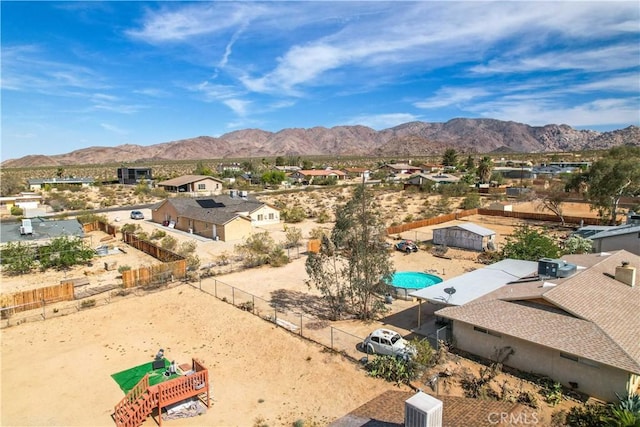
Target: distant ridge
413 138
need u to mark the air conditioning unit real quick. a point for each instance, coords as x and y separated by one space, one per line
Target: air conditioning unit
422 410
555 268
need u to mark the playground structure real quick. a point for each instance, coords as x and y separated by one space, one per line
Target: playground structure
143 398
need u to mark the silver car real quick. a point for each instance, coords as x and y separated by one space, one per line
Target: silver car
137 215
387 342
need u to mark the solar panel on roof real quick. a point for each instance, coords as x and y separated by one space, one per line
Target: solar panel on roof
209 203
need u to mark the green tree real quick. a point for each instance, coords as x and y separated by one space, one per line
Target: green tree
273 177
280 161
307 164
485 166
553 200
529 244
64 252
10 184
577 245
293 235
357 238
614 176
201 169
470 164
471 201
18 257
450 157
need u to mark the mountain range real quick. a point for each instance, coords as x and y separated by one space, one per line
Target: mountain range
481 136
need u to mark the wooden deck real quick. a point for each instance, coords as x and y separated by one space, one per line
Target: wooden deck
142 399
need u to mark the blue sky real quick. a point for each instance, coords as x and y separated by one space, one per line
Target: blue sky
83 74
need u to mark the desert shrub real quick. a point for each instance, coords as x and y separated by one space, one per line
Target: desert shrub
157 234
293 236
322 217
471 201
18 257
169 243
88 303
392 369
293 215
88 218
16 211
124 268
589 415
63 252
577 245
130 228
317 233
187 248
425 355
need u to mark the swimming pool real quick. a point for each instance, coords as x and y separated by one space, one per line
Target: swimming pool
406 282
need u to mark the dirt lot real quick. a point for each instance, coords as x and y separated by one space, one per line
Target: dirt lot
259 373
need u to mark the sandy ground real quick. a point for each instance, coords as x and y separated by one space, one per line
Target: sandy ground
57 372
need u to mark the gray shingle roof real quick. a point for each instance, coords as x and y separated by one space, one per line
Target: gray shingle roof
616 231
601 310
216 209
547 328
186 179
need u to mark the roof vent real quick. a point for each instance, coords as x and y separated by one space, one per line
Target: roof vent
626 274
555 268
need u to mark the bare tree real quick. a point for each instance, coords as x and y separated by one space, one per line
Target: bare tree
553 200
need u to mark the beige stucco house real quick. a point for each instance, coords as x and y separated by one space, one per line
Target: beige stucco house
193 184
221 217
581 329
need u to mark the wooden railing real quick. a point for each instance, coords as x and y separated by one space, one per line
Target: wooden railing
140 401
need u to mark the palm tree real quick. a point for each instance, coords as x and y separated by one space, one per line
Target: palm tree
485 166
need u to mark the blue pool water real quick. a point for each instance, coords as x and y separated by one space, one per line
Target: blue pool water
414 280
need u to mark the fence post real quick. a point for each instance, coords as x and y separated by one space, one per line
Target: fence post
301 325
253 304
215 287
44 314
200 280
233 296
331 337
275 316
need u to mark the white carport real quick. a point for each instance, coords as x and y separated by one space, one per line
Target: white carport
475 284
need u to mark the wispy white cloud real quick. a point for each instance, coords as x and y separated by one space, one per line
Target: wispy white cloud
112 103
114 129
237 105
152 92
383 121
449 96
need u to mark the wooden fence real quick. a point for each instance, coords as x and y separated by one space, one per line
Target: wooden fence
36 298
531 216
102 226
155 274
149 248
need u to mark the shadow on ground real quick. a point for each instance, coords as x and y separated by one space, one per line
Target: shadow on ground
313 305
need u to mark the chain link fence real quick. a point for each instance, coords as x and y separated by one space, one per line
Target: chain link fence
309 327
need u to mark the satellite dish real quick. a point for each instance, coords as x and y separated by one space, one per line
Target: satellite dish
450 290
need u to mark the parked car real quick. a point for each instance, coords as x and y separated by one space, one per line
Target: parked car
407 246
387 342
137 215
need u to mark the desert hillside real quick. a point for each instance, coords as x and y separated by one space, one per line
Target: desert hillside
414 138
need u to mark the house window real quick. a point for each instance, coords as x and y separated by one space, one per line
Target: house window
202 186
486 331
271 215
260 217
569 357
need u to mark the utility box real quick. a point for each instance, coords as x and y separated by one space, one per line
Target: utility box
422 410
26 228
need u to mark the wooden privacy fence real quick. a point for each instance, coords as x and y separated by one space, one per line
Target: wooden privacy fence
149 248
36 298
532 216
99 225
155 274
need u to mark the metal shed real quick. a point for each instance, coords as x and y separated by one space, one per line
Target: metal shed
465 236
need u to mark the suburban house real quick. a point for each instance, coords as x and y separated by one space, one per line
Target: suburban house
357 173
24 201
465 236
134 175
400 168
193 184
306 176
229 167
40 183
222 217
435 179
610 238
576 321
